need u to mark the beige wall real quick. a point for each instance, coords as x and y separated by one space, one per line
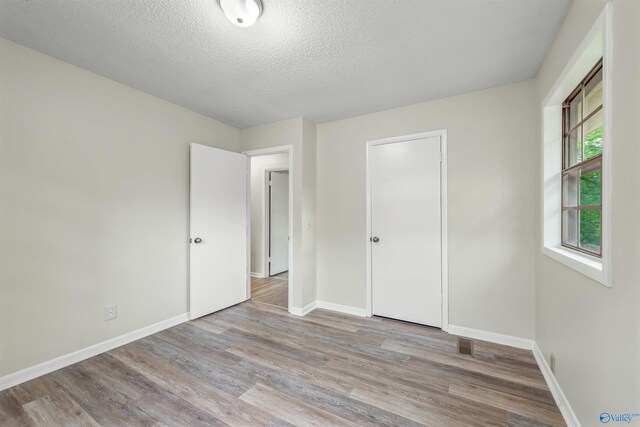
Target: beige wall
94 195
292 132
594 331
490 179
258 166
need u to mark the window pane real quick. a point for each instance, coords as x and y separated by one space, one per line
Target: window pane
570 227
592 130
591 184
575 110
573 150
593 93
570 187
590 230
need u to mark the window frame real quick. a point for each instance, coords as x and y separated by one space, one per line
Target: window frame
596 44
566 167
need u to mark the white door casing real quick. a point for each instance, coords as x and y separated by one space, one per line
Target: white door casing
292 279
405 208
278 223
218 229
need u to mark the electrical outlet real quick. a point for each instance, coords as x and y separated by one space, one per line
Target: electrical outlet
552 363
111 312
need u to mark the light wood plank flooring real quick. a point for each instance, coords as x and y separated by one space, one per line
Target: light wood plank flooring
255 365
273 290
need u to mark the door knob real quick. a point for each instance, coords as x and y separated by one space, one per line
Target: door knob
375 239
198 240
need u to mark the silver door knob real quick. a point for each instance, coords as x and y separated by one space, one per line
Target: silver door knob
198 240
375 239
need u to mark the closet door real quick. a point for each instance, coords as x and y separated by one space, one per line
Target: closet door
406 258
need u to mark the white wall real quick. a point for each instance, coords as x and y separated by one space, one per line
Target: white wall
309 293
258 166
94 194
594 331
491 215
292 132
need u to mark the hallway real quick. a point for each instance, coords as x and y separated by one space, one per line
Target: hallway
271 290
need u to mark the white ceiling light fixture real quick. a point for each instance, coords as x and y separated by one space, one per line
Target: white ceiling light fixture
243 13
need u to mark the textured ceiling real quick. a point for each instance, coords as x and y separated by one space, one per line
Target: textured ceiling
322 59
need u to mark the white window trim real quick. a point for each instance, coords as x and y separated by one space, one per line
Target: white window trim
595 45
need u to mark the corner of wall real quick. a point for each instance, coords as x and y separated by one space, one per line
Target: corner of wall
309 205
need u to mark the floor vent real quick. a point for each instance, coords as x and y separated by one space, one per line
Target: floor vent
465 346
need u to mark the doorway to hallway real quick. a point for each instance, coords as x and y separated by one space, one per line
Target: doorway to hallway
270 228
271 290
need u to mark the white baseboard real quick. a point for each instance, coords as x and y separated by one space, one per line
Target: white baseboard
346 309
297 311
27 374
257 275
561 400
493 337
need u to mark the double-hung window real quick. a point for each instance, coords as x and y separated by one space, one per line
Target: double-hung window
576 158
582 119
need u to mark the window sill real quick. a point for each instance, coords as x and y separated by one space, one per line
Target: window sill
583 264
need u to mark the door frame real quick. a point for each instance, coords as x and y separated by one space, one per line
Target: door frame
442 133
266 217
288 149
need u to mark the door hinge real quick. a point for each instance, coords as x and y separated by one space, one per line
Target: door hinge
441 157
270 183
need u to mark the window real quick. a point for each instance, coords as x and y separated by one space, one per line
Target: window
575 186
582 121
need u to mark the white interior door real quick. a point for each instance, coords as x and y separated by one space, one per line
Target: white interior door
279 223
406 258
218 213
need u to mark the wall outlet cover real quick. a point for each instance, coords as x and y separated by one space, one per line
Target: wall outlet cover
111 312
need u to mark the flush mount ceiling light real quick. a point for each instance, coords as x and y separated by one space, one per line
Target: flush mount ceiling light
243 13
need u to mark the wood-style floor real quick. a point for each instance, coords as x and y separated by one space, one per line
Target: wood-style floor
272 290
255 365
